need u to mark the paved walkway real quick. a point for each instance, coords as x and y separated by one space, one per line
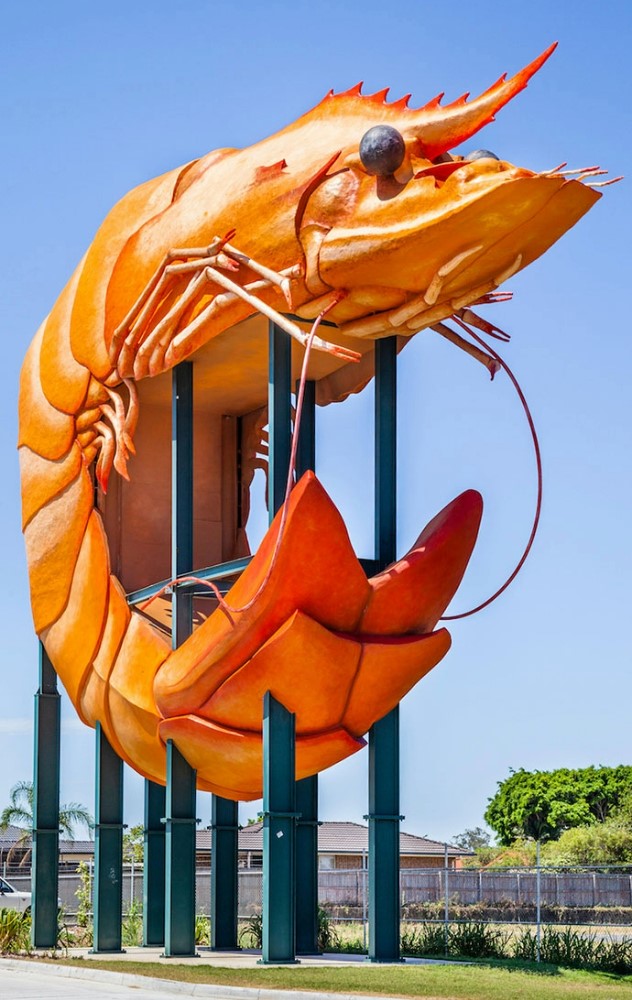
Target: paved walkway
22 979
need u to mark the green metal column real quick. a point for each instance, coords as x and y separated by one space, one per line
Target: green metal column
307 788
108 847
182 498
181 777
45 867
279 415
279 791
180 853
384 818
154 866
224 884
307 866
279 827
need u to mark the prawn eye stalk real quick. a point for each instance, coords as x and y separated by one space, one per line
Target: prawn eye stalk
362 212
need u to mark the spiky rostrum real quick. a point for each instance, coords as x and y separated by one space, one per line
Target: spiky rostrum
397 244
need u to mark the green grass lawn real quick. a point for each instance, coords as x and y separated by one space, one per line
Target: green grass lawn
491 981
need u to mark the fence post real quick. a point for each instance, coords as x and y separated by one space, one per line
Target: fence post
446 904
537 903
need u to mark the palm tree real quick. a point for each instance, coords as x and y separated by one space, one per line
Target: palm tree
20 813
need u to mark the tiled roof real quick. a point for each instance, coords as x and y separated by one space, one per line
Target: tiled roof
10 835
338 838
333 838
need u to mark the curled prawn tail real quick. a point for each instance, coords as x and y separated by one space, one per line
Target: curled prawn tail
106 657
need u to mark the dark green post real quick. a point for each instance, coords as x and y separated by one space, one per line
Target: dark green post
307 866
224 886
307 788
182 498
180 853
384 818
181 777
45 866
279 415
154 866
279 819
279 792
108 847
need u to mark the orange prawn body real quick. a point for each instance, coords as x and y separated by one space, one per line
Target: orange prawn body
179 268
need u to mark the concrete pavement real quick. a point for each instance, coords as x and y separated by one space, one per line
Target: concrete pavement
24 979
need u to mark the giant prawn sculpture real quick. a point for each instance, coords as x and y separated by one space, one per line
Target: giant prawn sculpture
359 210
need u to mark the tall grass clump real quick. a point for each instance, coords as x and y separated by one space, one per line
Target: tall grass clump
15 932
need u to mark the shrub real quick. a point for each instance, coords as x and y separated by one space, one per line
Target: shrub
202 930
15 932
132 927
251 934
476 940
328 937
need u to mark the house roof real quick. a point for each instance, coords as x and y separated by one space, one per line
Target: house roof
10 835
336 837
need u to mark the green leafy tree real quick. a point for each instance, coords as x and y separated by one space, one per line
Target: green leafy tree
19 813
607 843
133 841
543 804
472 839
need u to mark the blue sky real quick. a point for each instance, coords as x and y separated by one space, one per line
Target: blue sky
97 98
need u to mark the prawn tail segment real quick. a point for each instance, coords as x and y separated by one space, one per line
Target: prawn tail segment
105 656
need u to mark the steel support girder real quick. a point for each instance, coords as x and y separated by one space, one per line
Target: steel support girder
279 414
307 866
384 818
279 829
224 885
154 866
180 826
307 788
46 764
108 846
182 497
180 798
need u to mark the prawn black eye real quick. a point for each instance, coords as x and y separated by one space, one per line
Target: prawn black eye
480 154
382 150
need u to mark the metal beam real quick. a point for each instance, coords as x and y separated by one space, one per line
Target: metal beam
154 866
279 828
307 788
279 895
46 762
306 451
307 866
182 497
108 847
384 817
279 414
224 886
181 777
180 856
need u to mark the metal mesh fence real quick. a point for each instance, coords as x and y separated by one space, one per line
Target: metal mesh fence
580 896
